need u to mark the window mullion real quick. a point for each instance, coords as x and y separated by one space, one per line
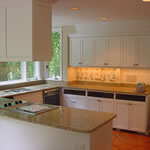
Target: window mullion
24 71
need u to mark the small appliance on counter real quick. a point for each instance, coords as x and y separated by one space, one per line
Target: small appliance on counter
140 87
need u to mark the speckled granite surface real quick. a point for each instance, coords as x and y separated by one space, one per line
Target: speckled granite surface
116 88
65 118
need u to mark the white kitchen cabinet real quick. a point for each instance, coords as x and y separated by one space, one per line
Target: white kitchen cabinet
74 101
75 52
144 52
100 104
81 52
129 51
122 111
114 52
100 51
93 104
138 116
87 52
74 98
131 115
26 30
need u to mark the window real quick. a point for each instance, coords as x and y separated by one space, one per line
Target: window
54 66
30 70
18 71
10 71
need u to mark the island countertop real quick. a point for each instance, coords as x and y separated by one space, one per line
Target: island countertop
64 118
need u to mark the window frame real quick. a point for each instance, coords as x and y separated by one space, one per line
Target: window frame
61 64
24 74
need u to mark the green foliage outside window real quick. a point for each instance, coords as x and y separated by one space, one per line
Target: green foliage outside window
10 71
54 64
30 69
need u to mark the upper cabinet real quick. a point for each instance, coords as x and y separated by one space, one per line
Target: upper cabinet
129 51
100 51
143 52
110 51
25 30
81 52
114 51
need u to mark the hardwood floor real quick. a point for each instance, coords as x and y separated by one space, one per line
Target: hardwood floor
130 141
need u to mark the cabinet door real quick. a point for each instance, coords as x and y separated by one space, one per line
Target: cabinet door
87 52
107 105
138 117
100 51
75 52
129 51
2 32
35 97
122 111
144 52
19 31
93 104
114 51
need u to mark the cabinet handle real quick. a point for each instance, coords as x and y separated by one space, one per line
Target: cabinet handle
134 65
99 101
73 101
137 64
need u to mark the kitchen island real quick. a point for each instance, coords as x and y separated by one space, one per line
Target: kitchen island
58 129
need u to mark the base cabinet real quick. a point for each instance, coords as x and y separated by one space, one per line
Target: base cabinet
132 110
100 104
74 101
35 97
131 115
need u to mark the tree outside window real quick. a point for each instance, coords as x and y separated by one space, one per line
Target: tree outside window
10 71
30 70
54 64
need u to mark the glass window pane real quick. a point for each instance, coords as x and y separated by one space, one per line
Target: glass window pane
54 64
30 70
10 71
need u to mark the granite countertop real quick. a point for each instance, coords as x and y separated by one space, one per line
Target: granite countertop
64 118
115 88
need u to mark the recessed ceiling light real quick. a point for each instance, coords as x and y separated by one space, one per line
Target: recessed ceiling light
75 8
146 0
104 18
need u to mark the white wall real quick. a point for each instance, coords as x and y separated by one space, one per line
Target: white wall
130 27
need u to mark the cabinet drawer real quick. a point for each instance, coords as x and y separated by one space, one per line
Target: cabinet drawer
131 97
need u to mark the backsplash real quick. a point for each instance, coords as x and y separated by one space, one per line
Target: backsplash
109 75
94 74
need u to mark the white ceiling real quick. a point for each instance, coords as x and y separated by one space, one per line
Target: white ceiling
92 10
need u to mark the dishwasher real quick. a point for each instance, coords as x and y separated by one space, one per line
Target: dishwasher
51 97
